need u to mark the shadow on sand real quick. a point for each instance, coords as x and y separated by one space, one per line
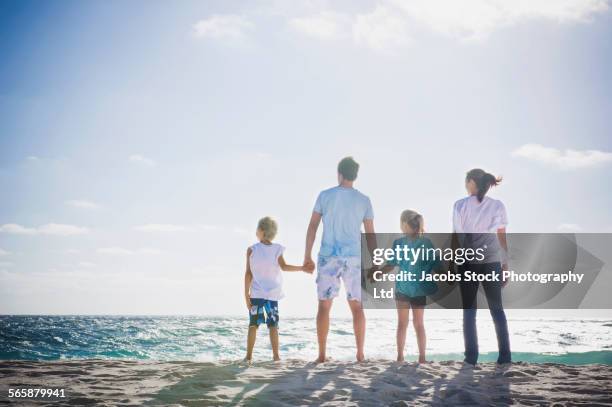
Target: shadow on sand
372 383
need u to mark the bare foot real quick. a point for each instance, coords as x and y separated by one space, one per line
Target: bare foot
400 359
360 357
247 361
322 359
422 360
276 358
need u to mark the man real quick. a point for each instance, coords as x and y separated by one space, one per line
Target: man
343 210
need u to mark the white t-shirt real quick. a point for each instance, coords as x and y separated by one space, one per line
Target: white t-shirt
471 216
267 275
480 220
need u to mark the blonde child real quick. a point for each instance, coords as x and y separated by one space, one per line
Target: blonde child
263 282
411 295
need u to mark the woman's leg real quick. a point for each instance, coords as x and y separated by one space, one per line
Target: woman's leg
469 289
493 291
402 323
419 329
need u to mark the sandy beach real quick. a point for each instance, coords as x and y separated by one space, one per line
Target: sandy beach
294 382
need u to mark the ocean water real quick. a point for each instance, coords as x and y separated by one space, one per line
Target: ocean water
222 339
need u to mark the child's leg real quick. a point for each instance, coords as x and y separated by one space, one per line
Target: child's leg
251 341
274 342
402 324
419 329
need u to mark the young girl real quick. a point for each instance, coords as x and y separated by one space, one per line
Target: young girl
481 221
263 282
412 294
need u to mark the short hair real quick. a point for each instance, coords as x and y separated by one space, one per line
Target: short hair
268 226
348 168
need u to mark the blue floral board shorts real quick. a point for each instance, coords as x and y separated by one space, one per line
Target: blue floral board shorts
332 270
263 311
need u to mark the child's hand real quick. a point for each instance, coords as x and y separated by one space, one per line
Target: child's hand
248 302
452 269
371 272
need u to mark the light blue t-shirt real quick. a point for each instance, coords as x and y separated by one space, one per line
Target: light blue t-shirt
343 210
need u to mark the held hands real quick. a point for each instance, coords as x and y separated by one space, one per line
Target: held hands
370 273
452 268
309 265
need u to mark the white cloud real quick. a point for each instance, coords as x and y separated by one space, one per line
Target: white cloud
114 251
86 264
170 227
140 159
147 250
120 251
386 27
327 25
54 229
161 227
382 30
242 231
4 252
83 204
475 19
32 158
564 159
228 26
569 227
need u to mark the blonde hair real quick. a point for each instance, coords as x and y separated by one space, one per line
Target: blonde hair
414 220
268 226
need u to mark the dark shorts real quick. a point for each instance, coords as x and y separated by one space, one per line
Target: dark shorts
403 300
263 311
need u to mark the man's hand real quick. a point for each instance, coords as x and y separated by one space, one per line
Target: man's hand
309 264
309 267
248 302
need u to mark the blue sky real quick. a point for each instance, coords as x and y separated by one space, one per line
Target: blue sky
140 142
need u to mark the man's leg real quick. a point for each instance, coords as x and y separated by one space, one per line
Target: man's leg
351 276
359 327
323 327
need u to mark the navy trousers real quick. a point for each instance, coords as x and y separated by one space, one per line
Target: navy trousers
492 291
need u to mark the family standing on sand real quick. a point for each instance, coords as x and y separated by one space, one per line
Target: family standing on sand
343 210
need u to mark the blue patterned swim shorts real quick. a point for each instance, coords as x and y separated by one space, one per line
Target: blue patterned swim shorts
263 311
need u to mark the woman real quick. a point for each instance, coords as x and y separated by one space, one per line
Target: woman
480 221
